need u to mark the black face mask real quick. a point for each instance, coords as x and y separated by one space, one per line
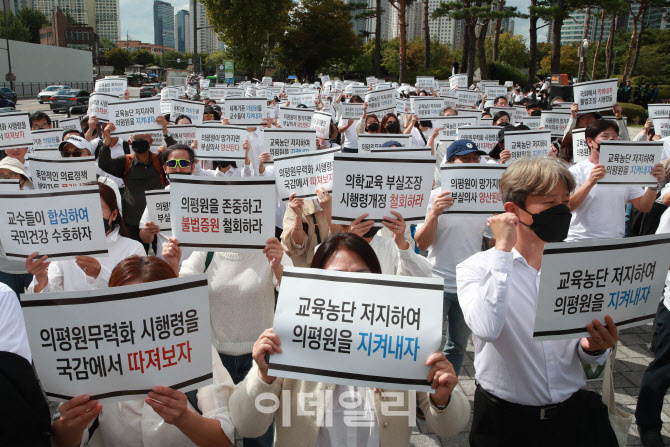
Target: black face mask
371 232
536 113
426 123
393 127
552 224
140 146
373 127
106 224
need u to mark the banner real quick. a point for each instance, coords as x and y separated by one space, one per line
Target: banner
368 141
222 214
158 207
357 328
381 102
585 281
474 187
98 106
234 93
69 123
192 109
351 110
182 133
459 81
534 122
520 114
426 107
468 97
403 106
59 224
295 118
321 123
595 95
662 127
46 138
289 141
56 173
219 142
485 137
630 162
493 91
527 143
419 150
111 86
307 99
658 111
304 173
136 116
580 150
217 94
115 344
379 184
449 125
245 111
450 101
555 120
15 131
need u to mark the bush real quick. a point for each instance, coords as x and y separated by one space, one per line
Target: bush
635 114
664 92
503 72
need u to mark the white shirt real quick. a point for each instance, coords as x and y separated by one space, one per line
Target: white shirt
13 336
350 136
664 227
280 209
497 292
68 276
417 140
457 237
666 148
394 261
602 214
26 166
116 151
353 426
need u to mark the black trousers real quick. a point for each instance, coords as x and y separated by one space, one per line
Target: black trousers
656 379
580 421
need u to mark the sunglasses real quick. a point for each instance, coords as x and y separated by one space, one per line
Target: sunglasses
209 115
77 153
176 162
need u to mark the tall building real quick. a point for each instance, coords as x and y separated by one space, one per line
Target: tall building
17 5
658 18
506 25
208 40
573 27
163 24
102 15
182 31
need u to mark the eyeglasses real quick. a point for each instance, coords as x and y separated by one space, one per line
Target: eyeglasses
77 153
608 136
209 115
176 162
469 158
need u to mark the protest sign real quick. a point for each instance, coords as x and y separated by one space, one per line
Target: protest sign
468 97
321 123
307 99
245 111
533 122
137 116
403 106
459 81
182 133
379 184
158 207
50 173
662 127
658 111
450 101
295 118
527 143
59 224
46 138
368 141
485 137
111 86
115 344
234 93
371 81
359 90
449 125
377 339
580 150
585 281
219 142
289 141
217 94
595 95
424 82
98 106
520 114
381 101
475 188
494 91
511 111
325 79
509 83
555 121
70 124
305 172
222 214
629 162
426 106
204 84
351 110
9 185
15 131
419 150
267 80
192 109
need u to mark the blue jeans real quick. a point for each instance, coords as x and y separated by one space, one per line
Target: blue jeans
17 282
238 366
457 331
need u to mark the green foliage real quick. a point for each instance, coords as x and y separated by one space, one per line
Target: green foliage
33 21
15 30
512 50
142 57
118 58
569 61
664 91
169 60
505 72
107 44
71 20
634 112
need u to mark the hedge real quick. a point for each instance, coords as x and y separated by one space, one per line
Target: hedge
635 114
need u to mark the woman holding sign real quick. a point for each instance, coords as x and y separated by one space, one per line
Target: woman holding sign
165 417
447 410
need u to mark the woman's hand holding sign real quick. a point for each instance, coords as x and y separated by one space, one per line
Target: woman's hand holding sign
267 343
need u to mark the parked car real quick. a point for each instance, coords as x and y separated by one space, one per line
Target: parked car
46 94
6 103
66 99
148 90
8 94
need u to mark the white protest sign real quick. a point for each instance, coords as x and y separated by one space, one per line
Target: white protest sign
245 111
468 97
470 113
358 90
194 110
217 94
371 81
426 106
111 86
403 106
629 162
46 138
509 110
585 281
321 123
137 116
595 95
59 224
234 93
182 133
9 185
658 111
219 142
459 81
222 214
98 106
662 127
485 137
424 82
56 173
520 114
70 124
509 83
289 141
418 150
351 110
295 118
15 131
325 79
379 184
377 339
580 149
367 141
115 344
158 207
527 143
204 84
475 188
449 125
381 101
450 101
533 122
494 91
168 93
555 120
267 80
307 99
304 173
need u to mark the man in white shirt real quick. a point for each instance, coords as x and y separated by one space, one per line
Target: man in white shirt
528 392
598 211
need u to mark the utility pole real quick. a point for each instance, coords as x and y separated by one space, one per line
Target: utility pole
195 31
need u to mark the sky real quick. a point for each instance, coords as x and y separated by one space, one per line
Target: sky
137 19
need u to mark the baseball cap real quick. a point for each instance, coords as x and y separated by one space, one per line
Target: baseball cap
462 147
392 143
75 140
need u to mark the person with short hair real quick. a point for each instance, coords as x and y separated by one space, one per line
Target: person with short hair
40 120
501 118
584 119
529 392
533 107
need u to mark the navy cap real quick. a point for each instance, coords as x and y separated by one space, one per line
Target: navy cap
462 147
392 143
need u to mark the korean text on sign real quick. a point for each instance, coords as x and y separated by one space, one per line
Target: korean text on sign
304 173
629 162
474 188
135 116
595 95
56 173
219 142
158 207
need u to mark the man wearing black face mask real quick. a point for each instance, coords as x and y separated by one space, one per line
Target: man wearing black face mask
529 392
141 172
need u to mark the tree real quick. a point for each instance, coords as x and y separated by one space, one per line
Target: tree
119 59
496 34
319 36
512 50
426 30
568 57
401 7
250 29
71 20
142 57
640 24
107 44
368 14
32 19
555 11
15 30
532 44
